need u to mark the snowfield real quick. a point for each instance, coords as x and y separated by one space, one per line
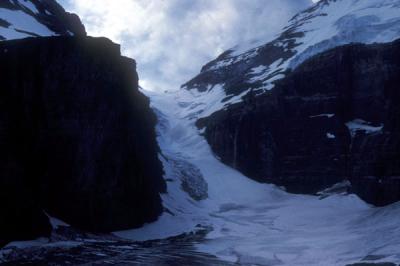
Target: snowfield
255 223
326 25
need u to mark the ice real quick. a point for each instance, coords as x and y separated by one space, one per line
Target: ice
255 223
344 21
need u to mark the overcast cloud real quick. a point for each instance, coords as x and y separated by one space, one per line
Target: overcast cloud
172 39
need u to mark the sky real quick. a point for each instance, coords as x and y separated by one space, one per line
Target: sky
172 39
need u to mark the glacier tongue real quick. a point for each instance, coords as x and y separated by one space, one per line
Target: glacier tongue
256 223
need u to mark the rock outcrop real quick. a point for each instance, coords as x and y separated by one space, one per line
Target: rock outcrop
77 138
335 117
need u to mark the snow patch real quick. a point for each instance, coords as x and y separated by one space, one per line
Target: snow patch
361 125
330 136
203 104
29 5
258 70
21 21
323 115
55 223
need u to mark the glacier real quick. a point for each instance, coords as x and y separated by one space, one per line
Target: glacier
260 224
252 223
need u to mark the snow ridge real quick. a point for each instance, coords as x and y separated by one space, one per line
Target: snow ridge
327 24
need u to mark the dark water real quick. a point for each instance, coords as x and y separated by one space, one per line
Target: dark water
178 251
173 251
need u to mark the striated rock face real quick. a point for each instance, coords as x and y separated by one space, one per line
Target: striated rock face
299 129
77 138
334 117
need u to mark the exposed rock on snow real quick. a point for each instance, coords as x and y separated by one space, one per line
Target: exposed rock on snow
30 18
192 179
342 188
267 114
326 25
360 125
310 131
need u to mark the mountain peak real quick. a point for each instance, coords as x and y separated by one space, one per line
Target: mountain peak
325 25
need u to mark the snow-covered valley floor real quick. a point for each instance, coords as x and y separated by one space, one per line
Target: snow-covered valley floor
252 223
237 221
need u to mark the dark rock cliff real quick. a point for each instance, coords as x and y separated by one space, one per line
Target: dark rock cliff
300 134
77 138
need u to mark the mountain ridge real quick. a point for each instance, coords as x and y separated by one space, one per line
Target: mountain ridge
321 27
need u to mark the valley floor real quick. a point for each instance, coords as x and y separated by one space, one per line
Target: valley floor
238 221
255 223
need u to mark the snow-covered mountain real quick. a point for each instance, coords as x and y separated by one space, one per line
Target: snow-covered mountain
248 223
29 18
284 112
327 24
305 139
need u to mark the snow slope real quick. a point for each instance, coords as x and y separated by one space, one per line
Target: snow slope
22 25
31 18
256 223
327 24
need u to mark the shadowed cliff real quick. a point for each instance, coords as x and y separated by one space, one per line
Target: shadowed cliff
334 117
77 138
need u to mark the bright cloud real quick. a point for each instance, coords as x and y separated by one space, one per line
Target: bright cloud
172 39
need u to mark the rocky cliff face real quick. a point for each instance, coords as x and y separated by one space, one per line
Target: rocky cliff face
267 114
77 138
334 117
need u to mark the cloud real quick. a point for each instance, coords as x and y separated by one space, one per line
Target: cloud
172 39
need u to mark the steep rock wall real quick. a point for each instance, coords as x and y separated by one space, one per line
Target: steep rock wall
77 138
302 136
